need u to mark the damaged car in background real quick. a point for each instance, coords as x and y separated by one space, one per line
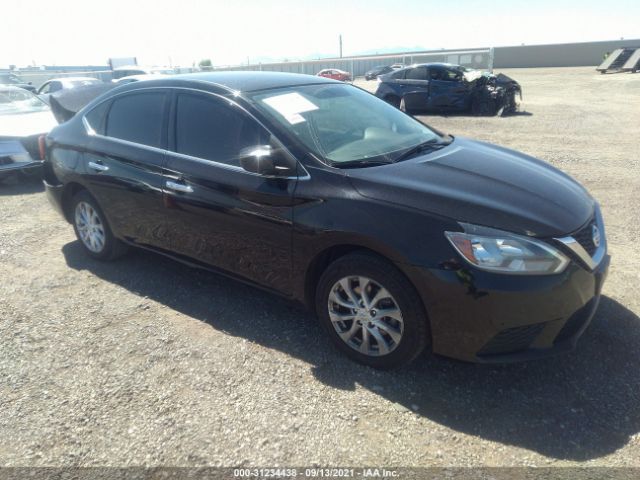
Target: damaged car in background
24 119
443 87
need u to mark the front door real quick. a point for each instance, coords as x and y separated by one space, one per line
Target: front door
218 213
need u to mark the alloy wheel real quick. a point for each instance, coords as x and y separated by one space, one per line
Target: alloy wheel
90 227
365 315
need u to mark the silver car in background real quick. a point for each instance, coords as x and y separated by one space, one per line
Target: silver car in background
24 120
67 83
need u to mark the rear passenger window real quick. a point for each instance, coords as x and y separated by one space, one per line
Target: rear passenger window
418 73
214 130
137 118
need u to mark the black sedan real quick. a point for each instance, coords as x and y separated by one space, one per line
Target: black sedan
375 71
399 237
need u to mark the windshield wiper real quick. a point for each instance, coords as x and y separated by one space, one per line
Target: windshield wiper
360 163
433 144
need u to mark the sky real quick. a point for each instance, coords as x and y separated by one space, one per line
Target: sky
230 32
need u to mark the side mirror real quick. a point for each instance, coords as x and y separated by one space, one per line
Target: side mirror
265 160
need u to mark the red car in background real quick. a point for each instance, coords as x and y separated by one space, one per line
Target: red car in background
335 74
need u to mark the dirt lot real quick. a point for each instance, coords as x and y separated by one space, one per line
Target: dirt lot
147 362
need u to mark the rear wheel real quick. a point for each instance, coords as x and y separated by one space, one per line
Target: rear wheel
371 311
92 229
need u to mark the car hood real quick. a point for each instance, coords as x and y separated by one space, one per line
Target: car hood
483 184
26 124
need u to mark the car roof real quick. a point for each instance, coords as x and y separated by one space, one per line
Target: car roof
239 81
71 79
435 64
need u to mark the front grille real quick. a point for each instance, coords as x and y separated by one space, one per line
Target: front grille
585 238
512 340
575 322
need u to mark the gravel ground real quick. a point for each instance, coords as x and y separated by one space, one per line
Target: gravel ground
147 362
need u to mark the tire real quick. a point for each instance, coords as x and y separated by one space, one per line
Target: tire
393 100
86 214
403 107
396 340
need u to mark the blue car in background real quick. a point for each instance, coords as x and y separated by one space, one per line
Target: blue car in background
442 87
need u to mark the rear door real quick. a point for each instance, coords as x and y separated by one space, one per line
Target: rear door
218 213
123 164
416 88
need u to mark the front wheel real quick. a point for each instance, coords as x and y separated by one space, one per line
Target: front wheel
371 311
92 229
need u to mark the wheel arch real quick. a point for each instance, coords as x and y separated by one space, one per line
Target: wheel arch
71 189
330 254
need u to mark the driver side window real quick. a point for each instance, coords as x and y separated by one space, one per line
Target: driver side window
213 130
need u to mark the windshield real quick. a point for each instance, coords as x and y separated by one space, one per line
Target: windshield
20 101
341 123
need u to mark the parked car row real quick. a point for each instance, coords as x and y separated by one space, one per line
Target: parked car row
400 238
337 74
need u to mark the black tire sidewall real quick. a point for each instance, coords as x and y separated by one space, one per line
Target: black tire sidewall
415 335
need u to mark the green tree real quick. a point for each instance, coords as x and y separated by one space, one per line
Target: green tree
205 64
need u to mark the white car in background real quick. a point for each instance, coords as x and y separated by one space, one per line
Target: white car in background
66 83
133 71
138 78
24 120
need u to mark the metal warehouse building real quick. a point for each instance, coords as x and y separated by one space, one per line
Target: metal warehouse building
552 55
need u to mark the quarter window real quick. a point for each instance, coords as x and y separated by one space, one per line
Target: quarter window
214 130
137 118
97 117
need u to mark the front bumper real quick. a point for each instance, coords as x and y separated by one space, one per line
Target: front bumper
486 317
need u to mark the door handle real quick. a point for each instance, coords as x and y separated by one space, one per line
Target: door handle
179 187
98 166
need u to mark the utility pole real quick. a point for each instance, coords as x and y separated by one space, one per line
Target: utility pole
340 40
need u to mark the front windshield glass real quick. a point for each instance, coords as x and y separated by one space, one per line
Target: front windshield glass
20 101
341 123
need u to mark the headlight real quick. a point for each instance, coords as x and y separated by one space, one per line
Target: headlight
498 251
